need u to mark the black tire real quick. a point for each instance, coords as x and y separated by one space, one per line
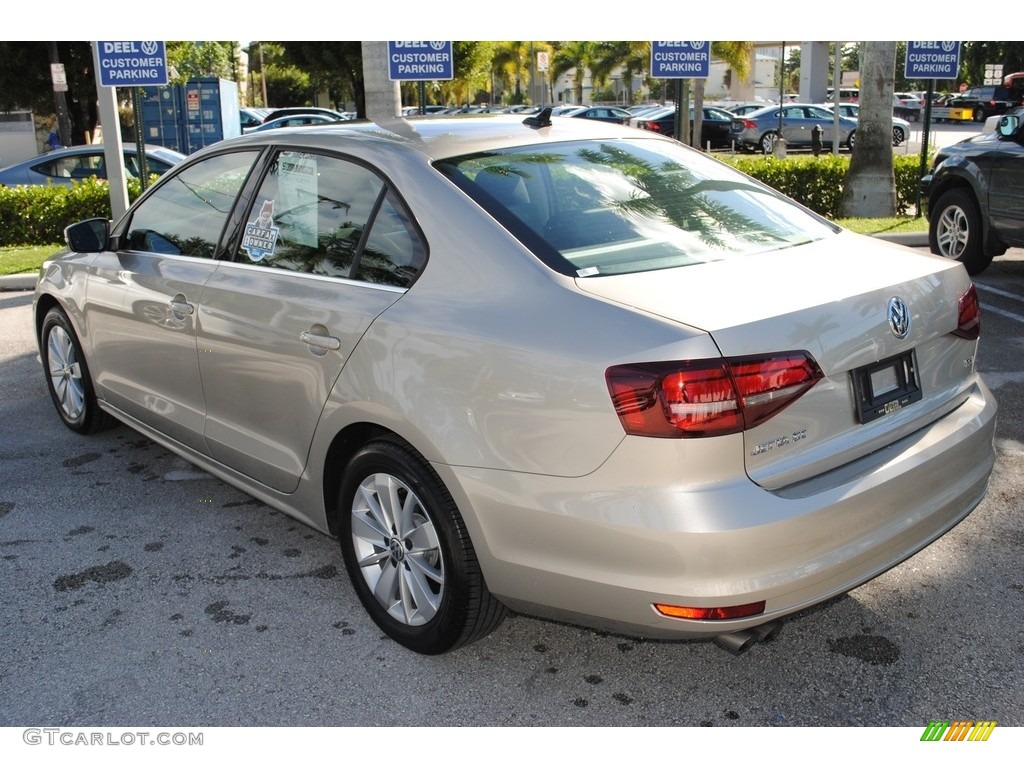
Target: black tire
898 136
851 140
767 142
67 376
954 230
418 578
979 115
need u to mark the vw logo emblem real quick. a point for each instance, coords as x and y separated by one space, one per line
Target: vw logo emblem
396 549
899 317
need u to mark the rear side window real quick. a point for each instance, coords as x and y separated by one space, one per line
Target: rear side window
327 216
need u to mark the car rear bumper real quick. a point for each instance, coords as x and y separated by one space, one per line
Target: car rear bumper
601 550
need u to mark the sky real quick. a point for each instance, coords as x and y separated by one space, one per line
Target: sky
527 19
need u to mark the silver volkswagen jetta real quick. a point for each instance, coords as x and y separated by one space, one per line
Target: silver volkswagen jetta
553 365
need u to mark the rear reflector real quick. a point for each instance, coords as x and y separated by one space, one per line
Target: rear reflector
710 614
701 398
969 315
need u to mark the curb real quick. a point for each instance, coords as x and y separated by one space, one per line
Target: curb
910 239
26 282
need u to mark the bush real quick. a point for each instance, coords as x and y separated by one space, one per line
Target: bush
37 215
817 182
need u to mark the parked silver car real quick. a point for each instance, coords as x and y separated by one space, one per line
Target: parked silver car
759 130
553 365
900 127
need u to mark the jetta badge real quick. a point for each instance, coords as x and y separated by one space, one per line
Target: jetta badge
899 317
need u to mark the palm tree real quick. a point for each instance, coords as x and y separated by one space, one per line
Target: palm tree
869 190
512 66
631 57
575 55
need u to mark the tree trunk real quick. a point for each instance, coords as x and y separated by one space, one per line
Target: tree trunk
869 190
698 112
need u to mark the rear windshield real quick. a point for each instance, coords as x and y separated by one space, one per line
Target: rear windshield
613 207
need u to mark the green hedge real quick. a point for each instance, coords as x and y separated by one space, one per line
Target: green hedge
38 215
817 182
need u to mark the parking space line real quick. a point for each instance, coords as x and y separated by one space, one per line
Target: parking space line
999 292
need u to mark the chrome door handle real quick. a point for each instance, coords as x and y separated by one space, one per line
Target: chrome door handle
181 307
316 340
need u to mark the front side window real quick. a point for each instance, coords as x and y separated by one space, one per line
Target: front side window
185 216
327 216
597 208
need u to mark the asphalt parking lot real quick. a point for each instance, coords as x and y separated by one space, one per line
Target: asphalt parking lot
140 591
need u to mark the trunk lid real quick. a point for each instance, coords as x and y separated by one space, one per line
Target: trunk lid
830 298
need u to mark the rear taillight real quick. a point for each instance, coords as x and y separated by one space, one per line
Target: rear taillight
653 125
749 125
968 324
701 398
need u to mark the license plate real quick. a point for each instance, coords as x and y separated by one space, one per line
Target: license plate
886 386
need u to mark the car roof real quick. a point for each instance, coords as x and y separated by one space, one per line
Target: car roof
440 137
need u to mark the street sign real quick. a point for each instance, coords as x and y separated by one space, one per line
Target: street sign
420 60
59 77
131 63
932 59
680 58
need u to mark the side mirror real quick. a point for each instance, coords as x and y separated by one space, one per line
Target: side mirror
89 236
1008 125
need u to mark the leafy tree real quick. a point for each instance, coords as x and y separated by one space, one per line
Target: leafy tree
512 64
334 68
192 60
472 81
631 57
26 83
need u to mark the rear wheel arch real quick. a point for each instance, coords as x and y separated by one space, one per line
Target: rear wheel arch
343 447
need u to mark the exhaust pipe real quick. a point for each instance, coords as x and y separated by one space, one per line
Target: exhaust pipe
737 642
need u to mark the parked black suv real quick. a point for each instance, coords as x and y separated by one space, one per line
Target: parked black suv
975 195
987 100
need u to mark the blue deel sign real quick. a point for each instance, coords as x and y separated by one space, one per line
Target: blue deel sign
680 58
420 60
932 59
124 63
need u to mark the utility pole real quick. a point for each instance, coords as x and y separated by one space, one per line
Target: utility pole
60 103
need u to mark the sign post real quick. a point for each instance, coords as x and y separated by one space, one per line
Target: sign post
930 60
128 64
679 59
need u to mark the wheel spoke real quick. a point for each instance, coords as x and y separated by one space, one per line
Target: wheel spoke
375 558
370 492
367 527
420 601
386 588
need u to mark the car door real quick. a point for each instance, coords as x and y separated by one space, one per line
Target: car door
326 248
1005 171
824 119
141 299
795 126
